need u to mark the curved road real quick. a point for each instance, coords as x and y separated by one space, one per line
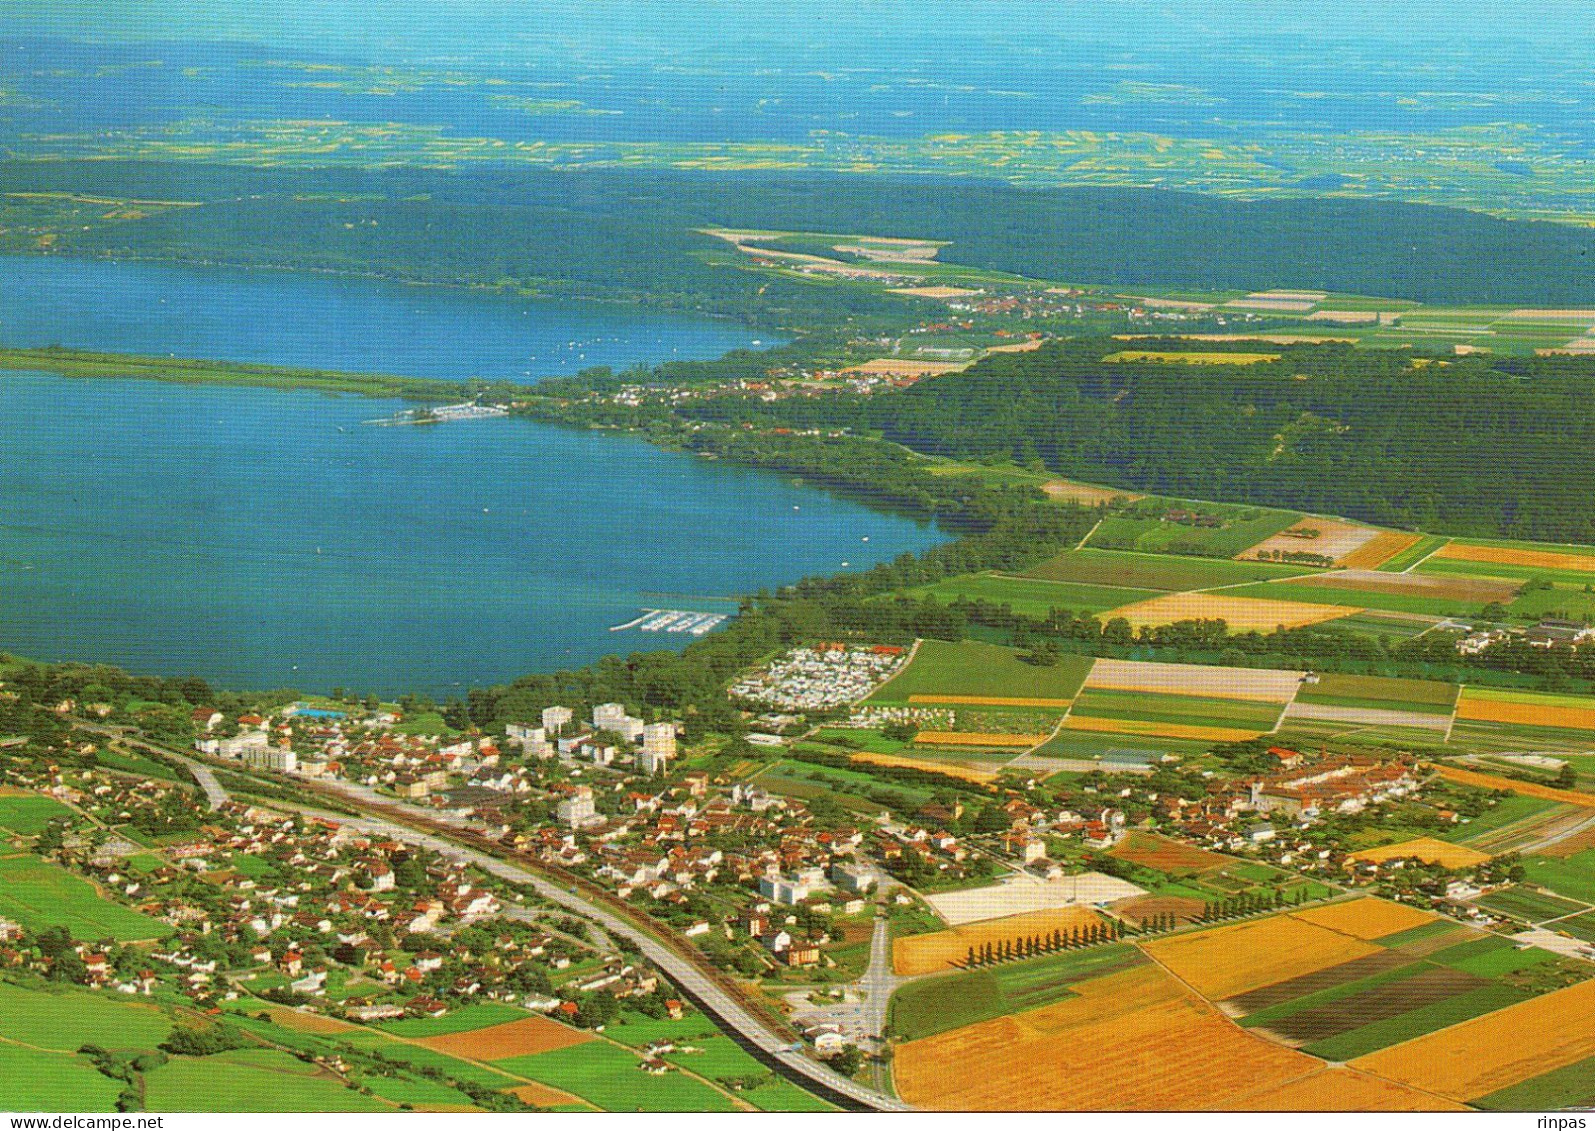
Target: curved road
692 981
687 976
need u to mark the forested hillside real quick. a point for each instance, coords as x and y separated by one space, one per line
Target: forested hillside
632 232
1470 446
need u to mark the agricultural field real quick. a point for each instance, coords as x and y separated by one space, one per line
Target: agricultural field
1528 708
1180 700
1362 975
1413 696
609 1077
265 1080
1325 537
1087 494
1483 1057
935 1005
28 814
1402 709
1144 528
1173 857
1417 593
971 668
1530 905
1489 554
930 953
1134 1040
1191 357
1425 545
38 894
31 1080
1427 849
1153 571
1030 598
1239 612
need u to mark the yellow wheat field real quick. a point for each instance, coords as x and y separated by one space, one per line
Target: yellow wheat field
1497 1050
949 769
1341 1089
1427 849
1527 789
977 738
1509 555
1152 729
945 950
1241 614
1134 1041
1227 961
1368 918
1478 709
1379 549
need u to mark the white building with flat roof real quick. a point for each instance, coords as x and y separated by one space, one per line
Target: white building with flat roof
556 717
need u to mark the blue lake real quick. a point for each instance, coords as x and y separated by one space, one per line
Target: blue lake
265 538
338 322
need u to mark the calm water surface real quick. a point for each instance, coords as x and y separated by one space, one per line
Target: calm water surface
266 538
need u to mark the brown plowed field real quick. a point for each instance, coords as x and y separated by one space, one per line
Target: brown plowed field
1474 590
1153 851
1497 1050
1336 540
513 1038
541 1095
1071 492
1194 679
1144 907
1392 999
1325 979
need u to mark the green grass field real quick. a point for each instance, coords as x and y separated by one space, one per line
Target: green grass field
1451 567
1573 877
27 814
67 1019
44 1081
971 668
1570 1086
1032 598
39 894
1508 811
1414 554
1417 1022
1421 696
1243 531
1529 905
1358 599
935 1005
254 1080
1163 572
1184 710
478 1016
607 1076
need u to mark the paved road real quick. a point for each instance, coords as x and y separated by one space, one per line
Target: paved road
693 981
214 793
878 981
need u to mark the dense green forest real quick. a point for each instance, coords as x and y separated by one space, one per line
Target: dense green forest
1468 446
632 233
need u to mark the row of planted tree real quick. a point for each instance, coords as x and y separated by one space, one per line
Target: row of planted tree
1076 938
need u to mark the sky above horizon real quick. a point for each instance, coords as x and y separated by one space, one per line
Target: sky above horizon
487 25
